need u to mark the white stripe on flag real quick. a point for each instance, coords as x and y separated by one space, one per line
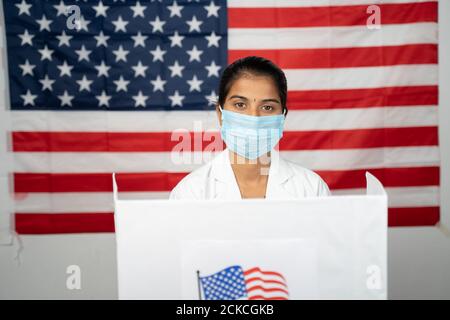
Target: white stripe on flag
268 295
404 197
362 118
332 37
363 77
157 121
91 162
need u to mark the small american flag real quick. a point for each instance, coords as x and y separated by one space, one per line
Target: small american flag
234 283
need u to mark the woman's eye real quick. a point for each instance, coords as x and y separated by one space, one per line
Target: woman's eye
239 104
268 108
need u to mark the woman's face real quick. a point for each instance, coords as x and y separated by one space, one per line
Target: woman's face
253 95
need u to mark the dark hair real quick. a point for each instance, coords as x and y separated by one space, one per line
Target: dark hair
256 66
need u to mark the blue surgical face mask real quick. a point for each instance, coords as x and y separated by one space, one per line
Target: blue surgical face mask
251 136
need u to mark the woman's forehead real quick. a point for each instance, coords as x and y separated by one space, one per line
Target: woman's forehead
253 87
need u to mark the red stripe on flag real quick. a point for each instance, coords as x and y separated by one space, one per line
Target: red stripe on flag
166 181
266 289
47 223
104 141
345 57
95 182
268 273
409 217
354 15
98 141
260 297
247 281
27 141
362 138
363 98
389 177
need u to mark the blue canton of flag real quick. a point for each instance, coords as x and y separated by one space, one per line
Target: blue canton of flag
115 55
228 284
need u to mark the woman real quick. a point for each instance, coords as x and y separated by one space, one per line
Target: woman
251 111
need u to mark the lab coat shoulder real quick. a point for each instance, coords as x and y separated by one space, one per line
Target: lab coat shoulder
306 181
193 186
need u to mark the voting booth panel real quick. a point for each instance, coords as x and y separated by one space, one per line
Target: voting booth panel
313 248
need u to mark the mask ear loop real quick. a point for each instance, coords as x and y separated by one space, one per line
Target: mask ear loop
221 112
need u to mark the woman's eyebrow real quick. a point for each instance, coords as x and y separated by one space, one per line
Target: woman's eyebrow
238 97
271 100
263 100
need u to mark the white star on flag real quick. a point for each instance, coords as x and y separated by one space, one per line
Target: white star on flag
138 10
158 84
140 99
65 69
194 84
28 98
176 99
27 68
102 69
66 99
121 84
26 38
194 24
24 8
121 54
120 24
103 99
100 9
47 83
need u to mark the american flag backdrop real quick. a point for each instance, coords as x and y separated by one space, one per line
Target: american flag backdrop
234 283
105 96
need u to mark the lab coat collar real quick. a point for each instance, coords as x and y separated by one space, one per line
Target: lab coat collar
279 173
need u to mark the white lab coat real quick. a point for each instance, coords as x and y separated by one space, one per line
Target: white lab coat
216 180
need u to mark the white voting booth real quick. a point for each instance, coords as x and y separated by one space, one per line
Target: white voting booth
313 248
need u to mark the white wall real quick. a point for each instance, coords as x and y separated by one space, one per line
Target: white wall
419 258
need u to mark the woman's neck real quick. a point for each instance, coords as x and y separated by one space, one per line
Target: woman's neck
250 170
